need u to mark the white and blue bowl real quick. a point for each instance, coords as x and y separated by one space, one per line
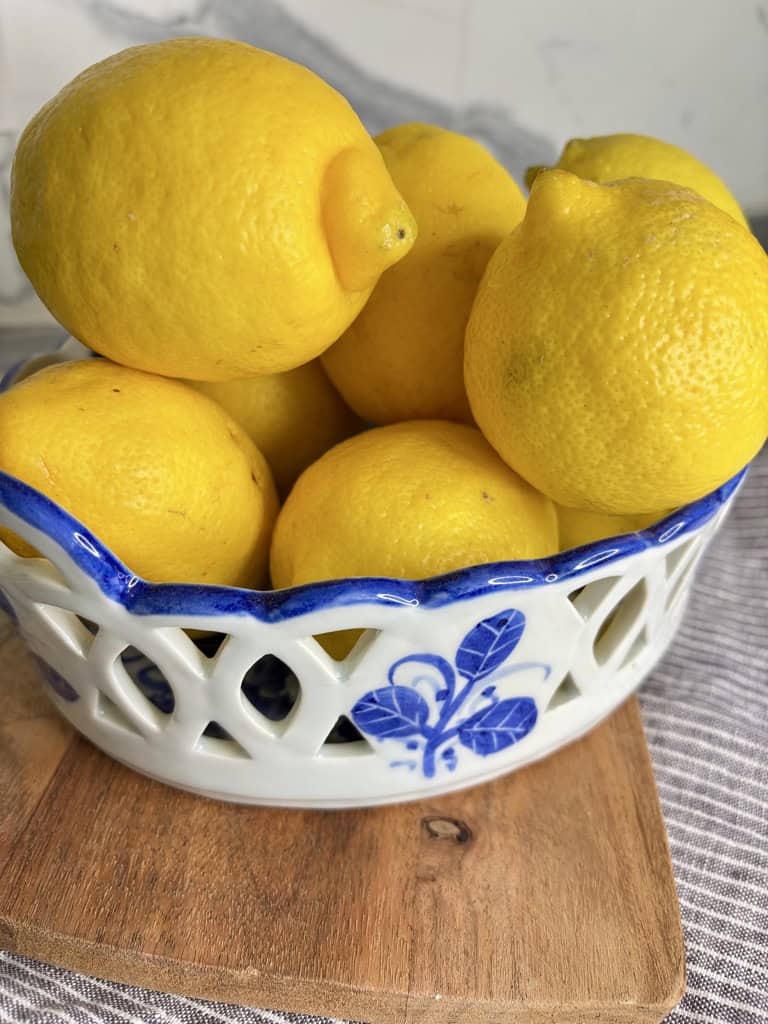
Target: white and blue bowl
456 679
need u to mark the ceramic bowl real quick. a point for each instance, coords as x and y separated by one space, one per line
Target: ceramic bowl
455 679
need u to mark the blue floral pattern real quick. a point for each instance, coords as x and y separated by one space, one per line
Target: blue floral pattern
442 706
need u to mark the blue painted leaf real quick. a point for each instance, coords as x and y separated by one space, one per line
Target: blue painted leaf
490 643
391 712
498 726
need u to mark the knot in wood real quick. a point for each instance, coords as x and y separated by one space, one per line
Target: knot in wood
447 828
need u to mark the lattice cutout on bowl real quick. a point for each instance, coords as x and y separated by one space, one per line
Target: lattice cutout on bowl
109 712
680 566
141 691
45 569
346 647
345 740
338 644
620 621
588 599
149 680
270 687
564 694
214 731
68 627
208 643
92 627
344 731
638 646
216 741
678 556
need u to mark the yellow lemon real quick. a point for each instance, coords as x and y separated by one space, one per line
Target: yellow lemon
201 208
402 357
577 526
617 351
162 475
292 417
612 157
408 500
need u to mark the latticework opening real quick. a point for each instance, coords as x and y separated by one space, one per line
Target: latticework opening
619 622
345 739
110 712
208 643
638 646
675 558
69 627
345 731
587 599
339 643
215 731
46 570
149 680
271 687
682 561
216 741
566 692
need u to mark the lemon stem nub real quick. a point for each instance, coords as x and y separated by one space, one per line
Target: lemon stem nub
367 224
531 174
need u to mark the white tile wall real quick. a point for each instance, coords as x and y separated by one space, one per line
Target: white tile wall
417 45
694 72
524 74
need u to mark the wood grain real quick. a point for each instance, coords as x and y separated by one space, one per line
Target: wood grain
33 739
546 896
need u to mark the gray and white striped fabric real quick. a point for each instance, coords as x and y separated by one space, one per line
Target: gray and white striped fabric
706 714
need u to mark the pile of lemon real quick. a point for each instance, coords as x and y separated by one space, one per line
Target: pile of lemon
428 370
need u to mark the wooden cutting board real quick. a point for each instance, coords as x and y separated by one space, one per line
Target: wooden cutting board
546 896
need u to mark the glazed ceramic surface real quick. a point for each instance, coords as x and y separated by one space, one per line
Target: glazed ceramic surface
454 680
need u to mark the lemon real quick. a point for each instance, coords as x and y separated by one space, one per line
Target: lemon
408 500
617 351
612 157
578 526
201 208
292 417
162 475
402 357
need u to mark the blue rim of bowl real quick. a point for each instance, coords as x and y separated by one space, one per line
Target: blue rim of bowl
141 597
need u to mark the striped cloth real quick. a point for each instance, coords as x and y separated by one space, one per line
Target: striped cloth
706 714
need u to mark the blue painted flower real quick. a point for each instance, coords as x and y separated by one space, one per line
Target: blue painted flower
479 721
